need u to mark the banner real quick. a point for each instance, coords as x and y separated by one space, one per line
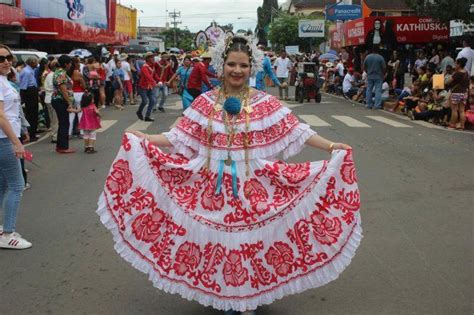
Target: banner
311 28
391 31
353 33
126 21
292 50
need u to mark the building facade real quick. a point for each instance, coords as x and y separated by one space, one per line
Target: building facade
58 26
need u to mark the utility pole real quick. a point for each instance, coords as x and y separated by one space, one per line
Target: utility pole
174 15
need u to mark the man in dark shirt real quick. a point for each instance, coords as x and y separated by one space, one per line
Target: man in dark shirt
199 76
29 95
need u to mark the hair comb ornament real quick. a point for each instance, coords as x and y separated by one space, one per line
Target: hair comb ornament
224 42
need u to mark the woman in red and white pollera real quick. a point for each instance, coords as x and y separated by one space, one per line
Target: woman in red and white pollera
220 219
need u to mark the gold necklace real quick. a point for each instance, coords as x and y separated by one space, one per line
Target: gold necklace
244 95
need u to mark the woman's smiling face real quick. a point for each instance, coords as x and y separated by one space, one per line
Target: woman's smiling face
237 69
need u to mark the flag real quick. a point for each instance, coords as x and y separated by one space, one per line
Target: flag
366 11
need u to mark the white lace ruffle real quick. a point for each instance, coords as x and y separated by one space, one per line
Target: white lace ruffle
325 274
292 143
130 249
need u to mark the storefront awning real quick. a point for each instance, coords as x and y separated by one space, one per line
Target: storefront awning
12 16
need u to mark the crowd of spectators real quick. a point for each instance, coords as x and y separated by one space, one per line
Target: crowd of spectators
437 86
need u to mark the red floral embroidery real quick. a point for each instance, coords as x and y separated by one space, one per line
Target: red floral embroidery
141 199
127 146
235 274
281 257
261 110
348 171
257 138
325 230
120 179
146 227
188 258
296 173
209 199
257 195
174 177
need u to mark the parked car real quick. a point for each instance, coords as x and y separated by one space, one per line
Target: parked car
23 55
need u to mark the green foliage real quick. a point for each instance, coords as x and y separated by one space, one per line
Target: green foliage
264 14
444 10
185 38
284 32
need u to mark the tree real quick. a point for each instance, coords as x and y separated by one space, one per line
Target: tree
264 15
185 38
444 10
284 32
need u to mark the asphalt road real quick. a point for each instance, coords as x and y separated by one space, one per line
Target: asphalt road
416 257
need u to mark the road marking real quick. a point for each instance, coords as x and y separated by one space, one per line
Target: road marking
106 124
139 125
314 121
390 122
351 122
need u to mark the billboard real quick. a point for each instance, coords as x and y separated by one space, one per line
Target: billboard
311 28
126 21
87 12
391 31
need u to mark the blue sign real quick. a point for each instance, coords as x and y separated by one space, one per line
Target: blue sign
343 12
88 12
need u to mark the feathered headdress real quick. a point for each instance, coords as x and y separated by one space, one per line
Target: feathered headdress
222 45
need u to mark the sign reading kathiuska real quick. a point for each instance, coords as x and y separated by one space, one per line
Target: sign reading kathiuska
311 28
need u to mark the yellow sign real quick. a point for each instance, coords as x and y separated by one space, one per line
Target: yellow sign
438 81
126 21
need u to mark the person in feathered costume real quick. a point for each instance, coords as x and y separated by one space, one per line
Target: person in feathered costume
219 219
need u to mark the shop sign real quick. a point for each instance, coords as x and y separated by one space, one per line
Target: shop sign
343 12
311 28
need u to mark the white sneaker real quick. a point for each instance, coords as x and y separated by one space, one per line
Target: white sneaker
13 241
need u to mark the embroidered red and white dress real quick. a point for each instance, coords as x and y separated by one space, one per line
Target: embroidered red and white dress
293 227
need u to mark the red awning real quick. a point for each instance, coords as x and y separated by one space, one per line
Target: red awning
11 16
70 31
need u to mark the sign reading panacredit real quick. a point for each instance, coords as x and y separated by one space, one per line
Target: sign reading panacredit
311 28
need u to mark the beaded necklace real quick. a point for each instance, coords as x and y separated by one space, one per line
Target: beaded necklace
229 123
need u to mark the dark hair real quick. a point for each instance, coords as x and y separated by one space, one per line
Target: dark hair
462 62
64 60
238 44
87 99
11 74
189 57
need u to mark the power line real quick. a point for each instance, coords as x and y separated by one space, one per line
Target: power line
174 15
212 14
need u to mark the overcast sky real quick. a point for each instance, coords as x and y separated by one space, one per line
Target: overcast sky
198 14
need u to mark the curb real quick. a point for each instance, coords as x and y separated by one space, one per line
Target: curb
401 117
